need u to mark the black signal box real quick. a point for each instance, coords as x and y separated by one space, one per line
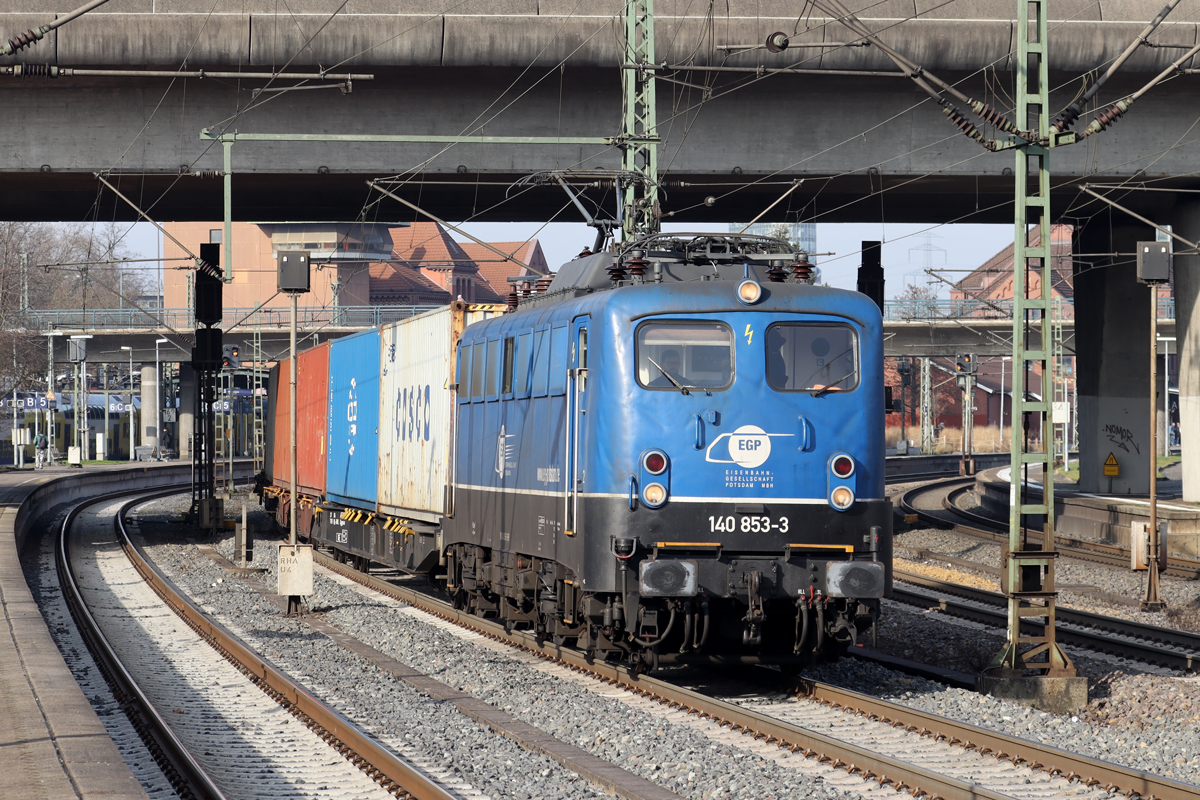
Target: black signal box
293 271
1153 262
206 355
208 287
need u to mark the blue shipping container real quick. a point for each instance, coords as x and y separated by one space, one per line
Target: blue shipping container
353 460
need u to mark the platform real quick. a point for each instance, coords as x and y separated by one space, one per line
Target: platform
1098 517
52 744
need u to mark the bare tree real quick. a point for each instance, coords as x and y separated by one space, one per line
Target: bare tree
917 301
30 279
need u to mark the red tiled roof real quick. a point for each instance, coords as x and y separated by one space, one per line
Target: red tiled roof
497 272
395 283
427 245
991 278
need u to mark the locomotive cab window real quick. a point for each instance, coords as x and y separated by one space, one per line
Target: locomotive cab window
684 355
812 357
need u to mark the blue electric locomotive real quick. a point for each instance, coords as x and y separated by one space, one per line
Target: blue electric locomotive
674 456
671 455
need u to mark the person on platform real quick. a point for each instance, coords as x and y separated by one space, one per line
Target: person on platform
41 447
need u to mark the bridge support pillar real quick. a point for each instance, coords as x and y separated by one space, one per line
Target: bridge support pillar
187 416
1187 332
150 402
1112 341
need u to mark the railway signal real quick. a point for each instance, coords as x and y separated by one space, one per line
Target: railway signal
229 357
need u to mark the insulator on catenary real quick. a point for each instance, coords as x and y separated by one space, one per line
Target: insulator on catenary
206 173
1110 116
1066 119
962 123
993 116
35 71
24 40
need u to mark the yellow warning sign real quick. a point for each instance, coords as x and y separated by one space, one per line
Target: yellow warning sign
1111 468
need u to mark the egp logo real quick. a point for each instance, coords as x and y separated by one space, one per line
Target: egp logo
749 446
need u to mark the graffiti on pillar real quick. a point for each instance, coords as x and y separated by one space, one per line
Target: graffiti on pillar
1122 438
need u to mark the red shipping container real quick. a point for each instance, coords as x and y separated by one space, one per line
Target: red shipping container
312 406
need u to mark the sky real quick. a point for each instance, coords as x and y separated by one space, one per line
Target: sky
908 250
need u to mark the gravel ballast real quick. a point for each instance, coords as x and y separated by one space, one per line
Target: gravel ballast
1116 726
673 756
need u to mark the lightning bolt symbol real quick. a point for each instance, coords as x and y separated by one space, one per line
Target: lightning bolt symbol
749 335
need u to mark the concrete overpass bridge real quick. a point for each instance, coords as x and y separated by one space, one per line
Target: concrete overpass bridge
860 134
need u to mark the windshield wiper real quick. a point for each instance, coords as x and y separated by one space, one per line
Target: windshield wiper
667 375
829 386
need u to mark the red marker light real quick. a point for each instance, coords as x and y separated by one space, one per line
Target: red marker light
655 462
843 466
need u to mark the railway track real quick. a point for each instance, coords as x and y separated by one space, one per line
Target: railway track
1151 644
986 529
886 742
220 719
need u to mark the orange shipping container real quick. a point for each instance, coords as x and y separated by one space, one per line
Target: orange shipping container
312 405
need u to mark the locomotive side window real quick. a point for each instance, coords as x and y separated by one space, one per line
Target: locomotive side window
523 372
493 369
558 360
541 362
464 372
510 347
477 370
810 357
684 355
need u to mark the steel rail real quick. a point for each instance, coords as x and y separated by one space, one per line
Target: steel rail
186 775
1081 549
987 529
358 747
1152 643
854 759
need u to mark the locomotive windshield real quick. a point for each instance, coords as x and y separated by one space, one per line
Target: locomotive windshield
684 355
809 357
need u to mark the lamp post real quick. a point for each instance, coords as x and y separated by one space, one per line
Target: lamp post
158 393
132 420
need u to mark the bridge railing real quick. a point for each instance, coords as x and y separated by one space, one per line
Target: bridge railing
358 317
182 319
969 309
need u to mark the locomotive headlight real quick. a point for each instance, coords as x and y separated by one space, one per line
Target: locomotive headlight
654 495
749 292
841 498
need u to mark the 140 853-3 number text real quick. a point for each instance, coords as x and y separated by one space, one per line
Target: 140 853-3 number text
747 524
